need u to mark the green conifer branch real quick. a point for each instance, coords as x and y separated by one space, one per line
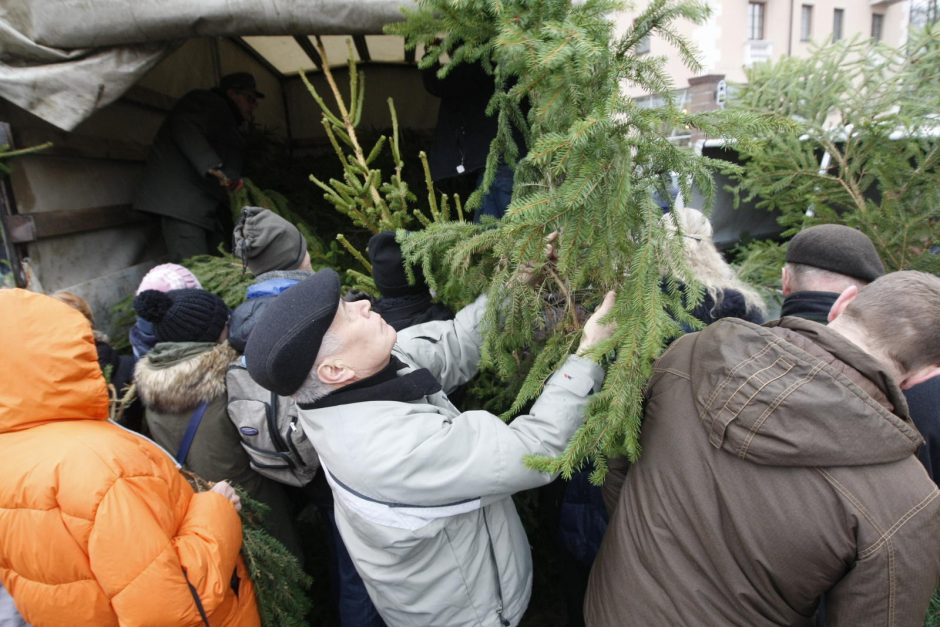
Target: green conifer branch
281 586
594 162
352 250
870 109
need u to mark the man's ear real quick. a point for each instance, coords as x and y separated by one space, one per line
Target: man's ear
846 297
333 372
785 281
919 376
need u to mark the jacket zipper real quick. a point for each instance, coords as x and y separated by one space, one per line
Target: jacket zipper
499 585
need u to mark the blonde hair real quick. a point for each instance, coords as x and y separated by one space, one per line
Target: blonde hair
703 259
76 302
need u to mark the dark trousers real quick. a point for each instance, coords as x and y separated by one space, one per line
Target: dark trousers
355 606
499 194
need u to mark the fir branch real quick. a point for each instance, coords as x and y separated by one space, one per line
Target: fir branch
595 158
281 586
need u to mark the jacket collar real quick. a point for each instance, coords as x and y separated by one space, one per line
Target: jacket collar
175 378
385 385
813 306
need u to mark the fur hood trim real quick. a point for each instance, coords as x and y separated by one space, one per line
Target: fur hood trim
179 387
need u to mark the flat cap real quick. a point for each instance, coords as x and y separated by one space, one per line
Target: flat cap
286 339
836 248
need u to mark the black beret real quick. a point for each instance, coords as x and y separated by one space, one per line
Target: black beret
286 339
388 269
836 248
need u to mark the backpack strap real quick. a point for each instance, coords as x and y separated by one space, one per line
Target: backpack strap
191 432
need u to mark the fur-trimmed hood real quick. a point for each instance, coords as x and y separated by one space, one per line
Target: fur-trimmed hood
176 377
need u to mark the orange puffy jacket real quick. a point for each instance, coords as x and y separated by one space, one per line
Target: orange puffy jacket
97 526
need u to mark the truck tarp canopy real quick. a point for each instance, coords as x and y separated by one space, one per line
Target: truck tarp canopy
63 59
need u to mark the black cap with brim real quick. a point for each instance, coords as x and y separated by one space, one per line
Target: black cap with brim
286 339
241 81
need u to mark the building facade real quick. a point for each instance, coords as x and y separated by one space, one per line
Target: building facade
740 33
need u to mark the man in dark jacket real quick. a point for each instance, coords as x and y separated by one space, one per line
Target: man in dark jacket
196 158
463 134
821 262
778 465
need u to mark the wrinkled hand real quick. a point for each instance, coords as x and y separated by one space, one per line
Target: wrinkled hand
594 331
226 490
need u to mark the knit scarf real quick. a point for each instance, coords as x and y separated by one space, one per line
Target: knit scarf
384 385
813 306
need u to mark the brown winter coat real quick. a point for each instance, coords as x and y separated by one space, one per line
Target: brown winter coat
778 465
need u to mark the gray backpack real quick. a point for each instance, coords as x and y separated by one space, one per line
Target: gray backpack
267 425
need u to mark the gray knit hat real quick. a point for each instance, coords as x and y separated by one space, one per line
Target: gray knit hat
836 248
187 315
265 241
286 339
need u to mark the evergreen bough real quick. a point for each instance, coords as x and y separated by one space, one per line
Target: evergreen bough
594 159
870 114
370 198
281 586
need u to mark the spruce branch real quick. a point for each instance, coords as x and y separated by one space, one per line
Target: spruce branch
594 160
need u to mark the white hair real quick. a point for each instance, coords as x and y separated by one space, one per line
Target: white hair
804 278
313 389
704 260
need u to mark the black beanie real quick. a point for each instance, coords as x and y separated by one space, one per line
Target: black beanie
188 315
286 338
836 248
388 270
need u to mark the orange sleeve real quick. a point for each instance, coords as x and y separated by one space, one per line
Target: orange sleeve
208 542
140 566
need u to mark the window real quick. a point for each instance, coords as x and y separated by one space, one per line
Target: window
755 21
877 23
837 17
806 22
924 12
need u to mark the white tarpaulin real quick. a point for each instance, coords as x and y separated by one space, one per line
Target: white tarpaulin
63 59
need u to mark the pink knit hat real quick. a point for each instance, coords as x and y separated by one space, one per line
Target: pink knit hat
169 276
